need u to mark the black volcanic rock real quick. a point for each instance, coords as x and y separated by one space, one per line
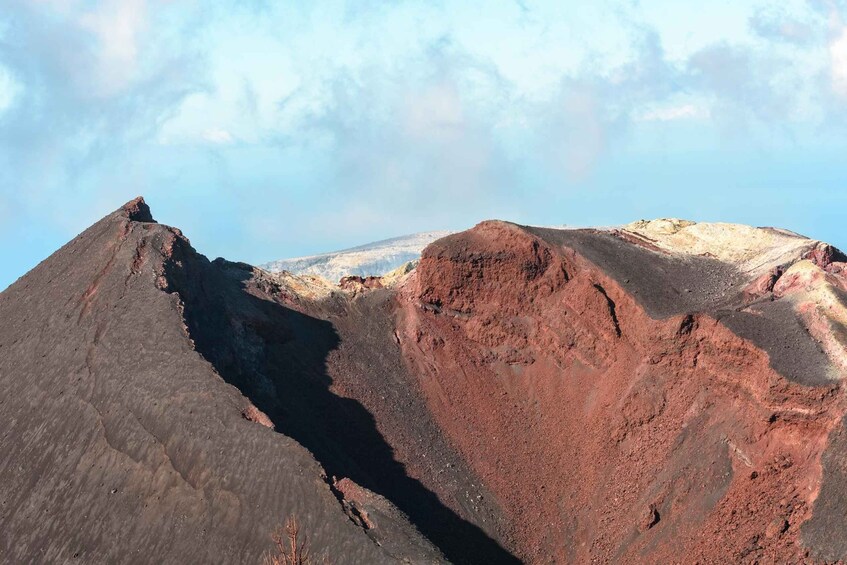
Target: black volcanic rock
120 443
524 395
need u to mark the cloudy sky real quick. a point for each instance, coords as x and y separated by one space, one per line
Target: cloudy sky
268 129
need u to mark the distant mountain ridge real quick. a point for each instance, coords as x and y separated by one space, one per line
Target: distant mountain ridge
371 259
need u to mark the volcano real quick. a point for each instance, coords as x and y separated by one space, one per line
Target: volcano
662 392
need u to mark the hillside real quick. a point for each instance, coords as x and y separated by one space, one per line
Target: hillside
661 392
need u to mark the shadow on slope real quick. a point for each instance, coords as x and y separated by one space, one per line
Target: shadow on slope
276 357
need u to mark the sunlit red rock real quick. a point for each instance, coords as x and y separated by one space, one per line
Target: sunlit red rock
662 392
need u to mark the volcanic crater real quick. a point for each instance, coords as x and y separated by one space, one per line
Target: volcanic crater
662 392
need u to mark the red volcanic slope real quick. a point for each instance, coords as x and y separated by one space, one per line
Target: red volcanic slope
525 395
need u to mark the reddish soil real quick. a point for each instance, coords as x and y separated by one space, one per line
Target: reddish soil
604 434
525 395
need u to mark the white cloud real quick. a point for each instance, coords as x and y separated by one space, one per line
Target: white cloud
219 136
673 113
778 24
838 63
435 112
406 106
117 25
9 89
576 134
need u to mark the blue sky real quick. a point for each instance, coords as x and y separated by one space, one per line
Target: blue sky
272 129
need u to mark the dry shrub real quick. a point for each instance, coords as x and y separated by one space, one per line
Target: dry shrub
292 547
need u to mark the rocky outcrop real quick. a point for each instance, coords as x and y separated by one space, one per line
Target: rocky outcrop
121 442
521 395
607 434
357 284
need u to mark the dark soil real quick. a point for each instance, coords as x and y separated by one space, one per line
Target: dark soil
526 395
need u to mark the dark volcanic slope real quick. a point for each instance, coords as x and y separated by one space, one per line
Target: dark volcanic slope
666 285
120 443
525 395
331 376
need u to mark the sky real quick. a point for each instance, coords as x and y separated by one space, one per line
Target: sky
268 129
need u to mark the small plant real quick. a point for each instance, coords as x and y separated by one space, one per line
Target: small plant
292 548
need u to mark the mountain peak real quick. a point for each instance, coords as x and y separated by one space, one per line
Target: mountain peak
137 210
470 413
